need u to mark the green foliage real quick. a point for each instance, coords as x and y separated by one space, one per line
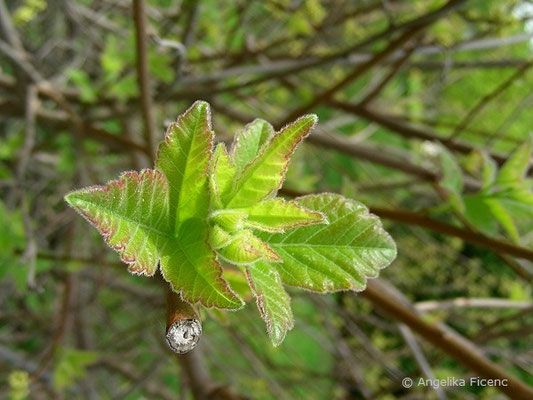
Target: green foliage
19 385
28 10
198 208
72 365
11 238
505 196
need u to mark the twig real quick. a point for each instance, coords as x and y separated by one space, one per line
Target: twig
143 76
395 68
407 130
444 338
356 73
479 239
482 103
184 328
465 302
420 358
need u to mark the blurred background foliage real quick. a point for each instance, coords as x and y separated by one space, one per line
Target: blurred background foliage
440 126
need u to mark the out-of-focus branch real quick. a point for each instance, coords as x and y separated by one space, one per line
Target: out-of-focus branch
453 344
420 358
143 76
476 238
482 103
465 302
407 130
417 219
352 76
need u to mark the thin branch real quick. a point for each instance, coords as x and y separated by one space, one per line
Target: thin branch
478 239
143 76
356 73
453 344
395 68
465 302
420 358
485 100
407 130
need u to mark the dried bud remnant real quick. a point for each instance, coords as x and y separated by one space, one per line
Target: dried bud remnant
183 335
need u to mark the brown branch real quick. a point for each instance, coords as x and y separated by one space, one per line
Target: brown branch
395 68
478 239
143 76
380 155
407 130
420 358
434 225
61 120
482 103
453 344
356 73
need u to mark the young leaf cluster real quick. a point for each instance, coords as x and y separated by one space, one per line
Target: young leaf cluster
505 196
205 208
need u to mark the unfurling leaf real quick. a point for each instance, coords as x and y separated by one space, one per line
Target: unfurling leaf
245 249
221 176
264 175
248 143
184 158
278 215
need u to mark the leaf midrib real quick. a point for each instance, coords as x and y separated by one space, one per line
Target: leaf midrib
98 206
345 246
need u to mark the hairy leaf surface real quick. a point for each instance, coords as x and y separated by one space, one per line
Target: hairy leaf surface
131 213
184 158
248 142
338 256
278 215
221 176
265 174
272 299
245 248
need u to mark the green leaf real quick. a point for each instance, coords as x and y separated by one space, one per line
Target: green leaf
191 267
245 248
219 238
514 169
338 256
238 282
132 214
230 220
278 215
488 171
452 178
184 158
478 213
273 301
248 142
221 176
504 218
72 365
264 175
